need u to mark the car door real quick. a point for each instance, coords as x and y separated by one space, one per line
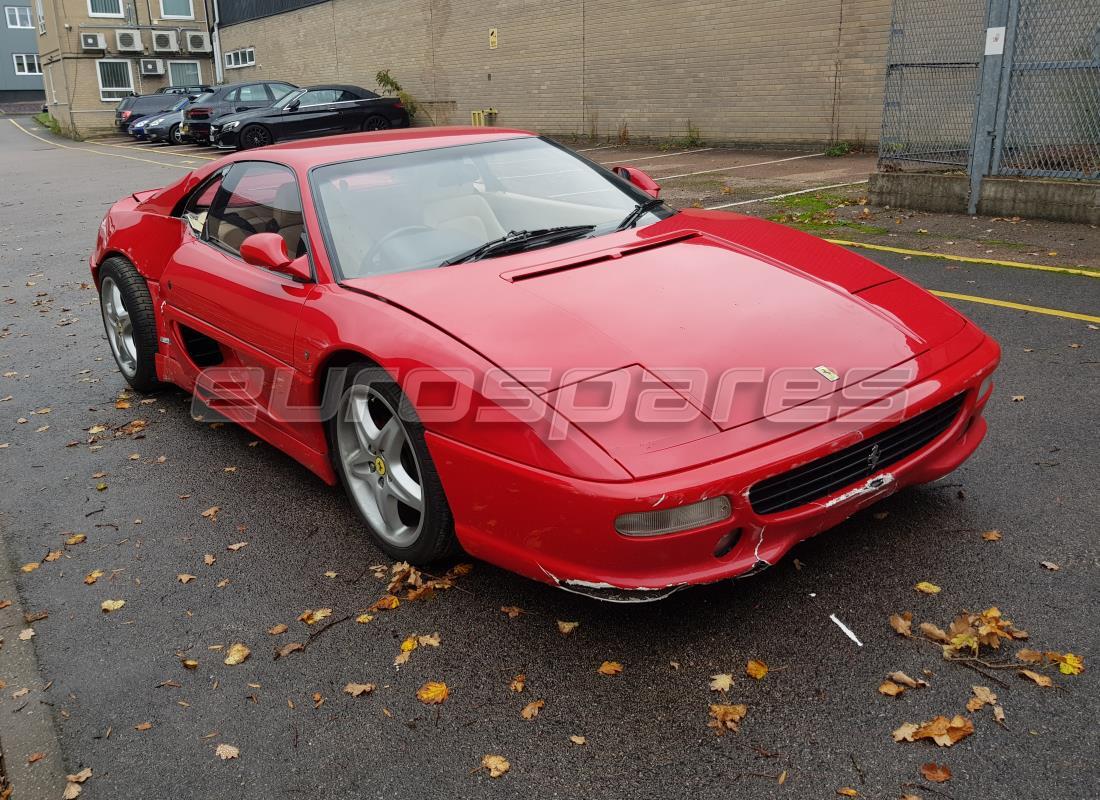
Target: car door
317 114
352 110
233 323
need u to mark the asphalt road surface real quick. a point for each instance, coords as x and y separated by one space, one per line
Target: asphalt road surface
817 716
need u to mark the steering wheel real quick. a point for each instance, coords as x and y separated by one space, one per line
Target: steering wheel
371 258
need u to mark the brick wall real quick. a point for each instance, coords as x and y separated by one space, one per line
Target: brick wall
797 72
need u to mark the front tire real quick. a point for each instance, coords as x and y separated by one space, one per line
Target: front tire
254 136
129 321
379 452
376 122
174 135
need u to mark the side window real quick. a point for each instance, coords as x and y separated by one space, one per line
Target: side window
318 97
233 96
256 197
253 93
279 90
198 205
346 97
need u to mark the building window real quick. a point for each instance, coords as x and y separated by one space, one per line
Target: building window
18 17
245 57
184 73
41 17
115 79
105 8
177 9
26 64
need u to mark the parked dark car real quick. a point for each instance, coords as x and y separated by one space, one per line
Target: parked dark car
232 98
312 111
130 109
194 91
161 123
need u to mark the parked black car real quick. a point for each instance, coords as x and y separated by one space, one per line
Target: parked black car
229 99
312 111
130 109
194 91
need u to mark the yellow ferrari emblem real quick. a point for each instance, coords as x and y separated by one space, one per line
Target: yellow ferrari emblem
827 372
380 465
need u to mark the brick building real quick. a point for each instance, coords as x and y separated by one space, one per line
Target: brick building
94 52
798 72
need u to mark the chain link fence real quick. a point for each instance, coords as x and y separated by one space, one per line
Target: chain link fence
994 87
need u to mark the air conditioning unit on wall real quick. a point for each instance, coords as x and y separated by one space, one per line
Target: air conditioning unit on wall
166 42
93 41
197 41
152 66
129 42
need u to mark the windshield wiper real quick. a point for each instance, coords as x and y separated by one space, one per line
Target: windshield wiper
640 210
514 241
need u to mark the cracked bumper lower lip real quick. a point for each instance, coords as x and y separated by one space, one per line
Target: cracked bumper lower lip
560 530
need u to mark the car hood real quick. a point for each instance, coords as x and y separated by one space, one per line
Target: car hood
675 304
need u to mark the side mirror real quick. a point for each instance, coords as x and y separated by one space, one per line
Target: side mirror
268 250
293 105
636 177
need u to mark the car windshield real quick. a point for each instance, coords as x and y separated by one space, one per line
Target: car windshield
417 210
282 101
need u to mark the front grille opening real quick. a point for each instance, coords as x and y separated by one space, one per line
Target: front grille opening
832 473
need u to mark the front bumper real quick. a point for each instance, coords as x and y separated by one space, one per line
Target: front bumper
225 140
560 530
196 131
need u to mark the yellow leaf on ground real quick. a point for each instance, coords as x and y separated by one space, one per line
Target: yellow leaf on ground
722 682
212 513
927 588
359 689
756 669
238 654
385 603
982 697
76 538
209 559
726 717
1042 680
578 739
93 576
31 567
183 577
847 791
610 668
497 765
111 605
429 641
943 731
363 619
190 663
992 536
567 628
72 791
26 634
81 776
53 555
930 631
275 630
143 726
311 617
432 692
937 773
532 709
902 623
518 683
226 751
1071 664
904 680
233 548
890 689
512 611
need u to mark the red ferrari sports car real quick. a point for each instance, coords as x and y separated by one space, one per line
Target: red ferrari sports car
495 344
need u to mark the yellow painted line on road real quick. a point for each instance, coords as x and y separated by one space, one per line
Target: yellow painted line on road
132 147
1087 273
95 152
1053 312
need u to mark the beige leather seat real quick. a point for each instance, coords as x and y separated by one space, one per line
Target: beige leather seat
287 213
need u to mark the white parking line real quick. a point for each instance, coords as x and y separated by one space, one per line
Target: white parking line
94 152
738 166
147 148
788 194
663 155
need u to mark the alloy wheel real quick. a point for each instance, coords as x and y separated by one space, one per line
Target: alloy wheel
120 328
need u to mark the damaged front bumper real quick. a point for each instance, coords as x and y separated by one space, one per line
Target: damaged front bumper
560 530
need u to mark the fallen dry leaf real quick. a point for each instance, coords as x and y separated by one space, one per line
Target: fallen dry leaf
432 692
610 668
311 617
226 751
385 603
72 791
1050 565
982 697
726 717
532 709
1018 398
183 577
209 559
902 623
1029 656
1042 680
238 654
143 726
756 669
930 631
847 791
31 567
890 689
992 536
76 538
1070 664
212 513
578 739
190 663
111 605
359 689
943 731
287 649
26 634
363 619
518 683
512 611
233 548
567 628
927 588
722 682
497 765
937 773
275 630
35 757
93 576
81 776
905 680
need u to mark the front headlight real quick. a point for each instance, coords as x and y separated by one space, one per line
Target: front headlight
153 123
231 125
673 520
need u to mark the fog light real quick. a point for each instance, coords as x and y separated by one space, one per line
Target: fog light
672 520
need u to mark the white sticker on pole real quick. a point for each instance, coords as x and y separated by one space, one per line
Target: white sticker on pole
995 41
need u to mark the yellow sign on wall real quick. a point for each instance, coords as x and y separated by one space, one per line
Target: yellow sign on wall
492 38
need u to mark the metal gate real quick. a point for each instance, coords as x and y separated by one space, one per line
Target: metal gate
996 87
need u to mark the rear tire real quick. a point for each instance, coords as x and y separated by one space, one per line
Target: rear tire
378 450
376 122
130 322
